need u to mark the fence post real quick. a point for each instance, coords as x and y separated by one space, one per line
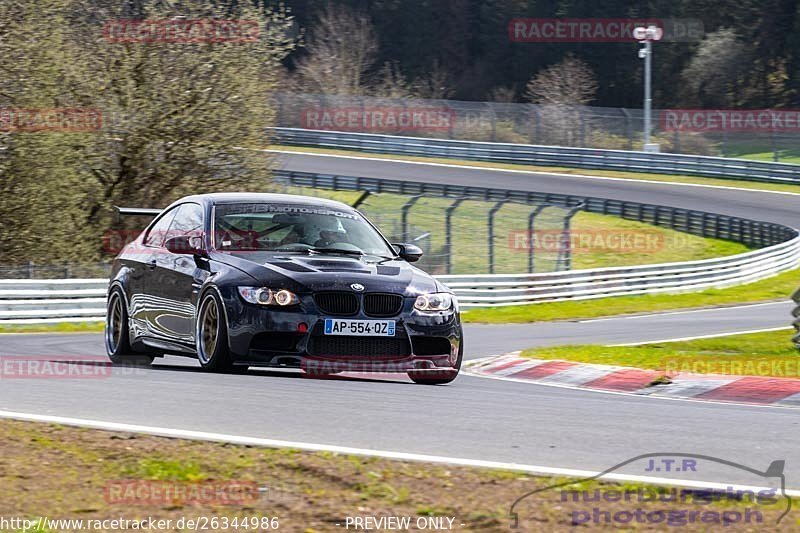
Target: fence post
490 228
404 216
448 232
494 120
361 199
628 128
531 219
774 145
537 124
565 251
725 143
30 269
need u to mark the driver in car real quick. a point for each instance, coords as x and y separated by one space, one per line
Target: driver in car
319 231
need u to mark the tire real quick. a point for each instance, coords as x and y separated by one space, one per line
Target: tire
211 337
442 377
117 333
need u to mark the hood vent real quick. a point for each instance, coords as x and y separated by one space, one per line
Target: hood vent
387 271
288 265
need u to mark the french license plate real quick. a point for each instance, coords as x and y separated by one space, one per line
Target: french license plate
372 328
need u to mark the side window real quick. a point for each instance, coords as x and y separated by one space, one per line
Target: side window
188 221
156 234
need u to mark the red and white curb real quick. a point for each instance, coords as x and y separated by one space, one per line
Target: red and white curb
757 390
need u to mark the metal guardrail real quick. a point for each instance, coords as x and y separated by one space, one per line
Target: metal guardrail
750 232
588 158
84 300
780 246
500 290
52 300
77 300
41 301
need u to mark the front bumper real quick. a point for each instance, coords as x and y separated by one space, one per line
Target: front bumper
275 337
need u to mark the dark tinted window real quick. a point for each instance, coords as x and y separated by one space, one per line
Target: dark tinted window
188 221
155 235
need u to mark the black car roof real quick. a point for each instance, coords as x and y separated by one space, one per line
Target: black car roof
237 197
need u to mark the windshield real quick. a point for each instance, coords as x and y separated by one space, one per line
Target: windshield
295 228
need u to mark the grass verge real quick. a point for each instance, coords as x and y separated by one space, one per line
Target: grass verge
778 287
598 240
770 353
61 327
62 472
781 187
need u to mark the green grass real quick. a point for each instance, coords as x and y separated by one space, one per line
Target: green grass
564 170
761 152
754 354
61 327
777 287
598 233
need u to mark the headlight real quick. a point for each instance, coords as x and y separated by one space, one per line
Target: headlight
266 296
437 301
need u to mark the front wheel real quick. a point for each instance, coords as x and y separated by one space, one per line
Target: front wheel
211 337
439 377
117 334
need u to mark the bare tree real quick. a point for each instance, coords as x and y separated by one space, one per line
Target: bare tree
713 76
570 82
437 84
341 48
560 91
390 82
501 94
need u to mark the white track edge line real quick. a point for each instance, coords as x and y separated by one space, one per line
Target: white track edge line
404 456
709 336
682 312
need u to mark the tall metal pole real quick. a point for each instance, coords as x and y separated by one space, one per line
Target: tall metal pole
648 98
646 36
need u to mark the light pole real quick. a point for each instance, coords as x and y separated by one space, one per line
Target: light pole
646 36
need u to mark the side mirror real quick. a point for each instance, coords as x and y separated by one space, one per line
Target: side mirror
184 244
409 252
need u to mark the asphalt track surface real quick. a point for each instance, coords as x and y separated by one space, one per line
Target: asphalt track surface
472 418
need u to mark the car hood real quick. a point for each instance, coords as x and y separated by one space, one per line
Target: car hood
312 273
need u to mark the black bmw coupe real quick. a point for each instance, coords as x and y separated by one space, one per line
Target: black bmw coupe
270 280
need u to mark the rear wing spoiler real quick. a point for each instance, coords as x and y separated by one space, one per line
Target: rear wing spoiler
135 211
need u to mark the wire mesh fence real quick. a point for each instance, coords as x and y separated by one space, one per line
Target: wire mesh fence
771 137
457 236
465 236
